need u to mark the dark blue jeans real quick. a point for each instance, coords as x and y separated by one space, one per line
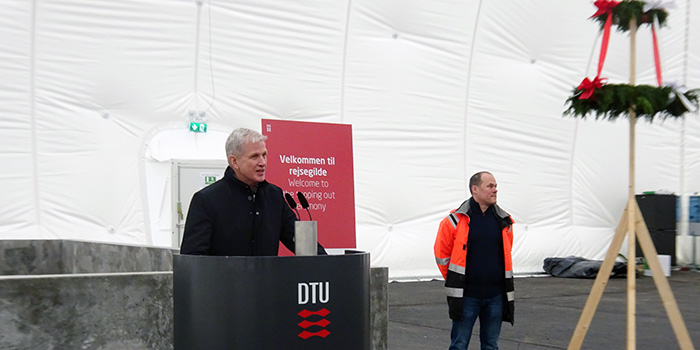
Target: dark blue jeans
490 314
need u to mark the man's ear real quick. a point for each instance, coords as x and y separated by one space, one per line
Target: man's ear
233 162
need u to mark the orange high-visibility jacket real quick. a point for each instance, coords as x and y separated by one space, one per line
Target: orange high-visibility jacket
451 257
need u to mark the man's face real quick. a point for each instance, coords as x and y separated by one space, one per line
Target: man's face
250 166
485 193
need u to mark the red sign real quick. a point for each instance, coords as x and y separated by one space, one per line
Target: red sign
316 160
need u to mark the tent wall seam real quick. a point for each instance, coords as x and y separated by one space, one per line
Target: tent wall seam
686 44
143 184
466 95
32 112
211 65
571 173
345 58
573 143
196 55
684 225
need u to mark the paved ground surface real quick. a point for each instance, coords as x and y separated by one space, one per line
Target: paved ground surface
547 311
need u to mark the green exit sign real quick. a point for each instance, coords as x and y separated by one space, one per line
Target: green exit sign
198 127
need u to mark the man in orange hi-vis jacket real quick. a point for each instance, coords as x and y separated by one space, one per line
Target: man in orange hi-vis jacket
473 251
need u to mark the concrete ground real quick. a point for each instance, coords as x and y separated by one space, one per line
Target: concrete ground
547 310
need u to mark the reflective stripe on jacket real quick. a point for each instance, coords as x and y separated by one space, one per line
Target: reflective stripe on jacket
451 257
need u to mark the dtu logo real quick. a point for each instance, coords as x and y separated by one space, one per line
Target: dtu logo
313 293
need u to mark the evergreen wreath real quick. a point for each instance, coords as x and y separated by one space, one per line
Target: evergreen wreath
626 10
612 100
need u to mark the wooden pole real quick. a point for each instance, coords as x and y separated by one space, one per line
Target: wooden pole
631 207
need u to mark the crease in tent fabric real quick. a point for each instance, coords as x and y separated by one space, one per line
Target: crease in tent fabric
195 77
573 145
345 59
467 92
211 64
32 111
684 207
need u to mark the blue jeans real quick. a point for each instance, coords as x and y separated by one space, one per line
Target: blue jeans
490 314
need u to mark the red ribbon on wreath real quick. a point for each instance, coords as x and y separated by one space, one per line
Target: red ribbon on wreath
605 7
657 58
589 86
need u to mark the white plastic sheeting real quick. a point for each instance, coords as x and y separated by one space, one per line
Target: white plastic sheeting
95 97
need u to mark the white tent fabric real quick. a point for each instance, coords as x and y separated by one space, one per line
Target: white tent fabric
95 99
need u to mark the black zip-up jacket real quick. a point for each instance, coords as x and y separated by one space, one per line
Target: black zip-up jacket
226 218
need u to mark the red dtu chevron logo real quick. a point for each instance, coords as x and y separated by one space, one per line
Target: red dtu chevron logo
306 335
306 324
320 323
306 313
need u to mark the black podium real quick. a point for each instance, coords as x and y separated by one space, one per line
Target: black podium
305 302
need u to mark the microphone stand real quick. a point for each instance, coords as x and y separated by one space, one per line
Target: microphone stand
305 233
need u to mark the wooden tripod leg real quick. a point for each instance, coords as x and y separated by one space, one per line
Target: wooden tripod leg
662 285
599 286
631 274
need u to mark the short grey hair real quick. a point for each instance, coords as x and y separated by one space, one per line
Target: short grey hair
238 138
475 180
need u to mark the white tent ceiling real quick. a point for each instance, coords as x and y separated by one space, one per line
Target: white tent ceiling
434 90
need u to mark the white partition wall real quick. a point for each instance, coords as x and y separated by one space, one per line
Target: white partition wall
95 98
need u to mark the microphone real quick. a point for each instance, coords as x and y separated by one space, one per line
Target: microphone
304 203
292 203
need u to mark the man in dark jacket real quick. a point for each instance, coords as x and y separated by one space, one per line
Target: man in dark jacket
241 214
